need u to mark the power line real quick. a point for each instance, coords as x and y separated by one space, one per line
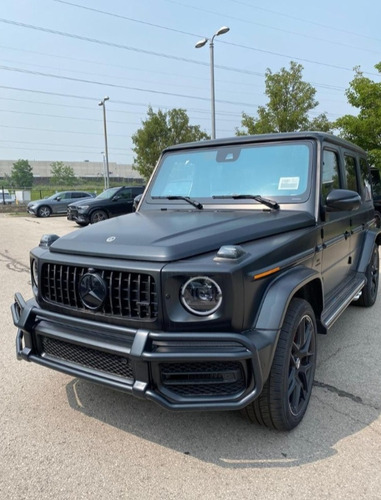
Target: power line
123 78
114 85
322 85
168 56
59 131
336 28
124 155
302 59
67 117
119 16
159 106
124 47
101 63
57 144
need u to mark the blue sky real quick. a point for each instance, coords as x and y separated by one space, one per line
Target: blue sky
60 58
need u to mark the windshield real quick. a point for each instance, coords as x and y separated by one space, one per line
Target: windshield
109 193
279 171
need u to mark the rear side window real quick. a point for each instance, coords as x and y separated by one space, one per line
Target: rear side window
365 180
350 173
125 194
330 173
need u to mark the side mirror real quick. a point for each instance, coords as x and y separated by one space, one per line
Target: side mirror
343 199
58 198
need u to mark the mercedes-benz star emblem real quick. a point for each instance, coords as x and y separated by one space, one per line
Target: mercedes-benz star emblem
92 290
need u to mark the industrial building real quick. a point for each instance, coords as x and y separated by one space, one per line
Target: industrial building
85 169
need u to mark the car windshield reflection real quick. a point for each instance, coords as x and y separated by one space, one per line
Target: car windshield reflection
280 172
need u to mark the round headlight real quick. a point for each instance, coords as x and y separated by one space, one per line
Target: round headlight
201 295
34 269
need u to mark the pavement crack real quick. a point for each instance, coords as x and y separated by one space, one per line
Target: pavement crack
344 394
13 264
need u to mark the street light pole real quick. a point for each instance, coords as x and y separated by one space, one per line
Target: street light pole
103 104
104 170
198 45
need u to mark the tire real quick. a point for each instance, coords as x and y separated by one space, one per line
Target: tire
369 292
98 216
44 211
286 393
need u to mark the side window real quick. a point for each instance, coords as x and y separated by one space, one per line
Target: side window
365 179
330 173
125 194
350 172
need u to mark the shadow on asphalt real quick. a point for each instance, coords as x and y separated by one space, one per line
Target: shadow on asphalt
226 438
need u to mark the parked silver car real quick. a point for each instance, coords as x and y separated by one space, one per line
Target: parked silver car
56 204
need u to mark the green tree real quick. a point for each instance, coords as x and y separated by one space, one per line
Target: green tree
21 174
62 174
365 128
160 130
290 101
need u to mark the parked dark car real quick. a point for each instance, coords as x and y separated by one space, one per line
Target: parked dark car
111 203
56 204
210 296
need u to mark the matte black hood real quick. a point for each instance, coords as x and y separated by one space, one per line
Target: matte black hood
165 236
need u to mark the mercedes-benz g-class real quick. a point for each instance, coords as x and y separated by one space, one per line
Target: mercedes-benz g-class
210 295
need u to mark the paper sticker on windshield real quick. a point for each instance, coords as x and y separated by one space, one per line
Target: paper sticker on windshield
288 183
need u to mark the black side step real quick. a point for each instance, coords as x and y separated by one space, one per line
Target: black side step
341 299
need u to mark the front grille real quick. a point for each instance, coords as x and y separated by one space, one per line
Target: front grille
208 378
73 212
129 295
87 357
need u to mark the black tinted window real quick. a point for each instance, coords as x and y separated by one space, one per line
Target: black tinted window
125 194
350 172
330 173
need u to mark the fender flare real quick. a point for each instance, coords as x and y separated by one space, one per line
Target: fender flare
371 238
279 294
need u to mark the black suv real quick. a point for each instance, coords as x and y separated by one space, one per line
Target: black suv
211 294
111 203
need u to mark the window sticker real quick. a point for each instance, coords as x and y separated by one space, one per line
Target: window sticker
288 183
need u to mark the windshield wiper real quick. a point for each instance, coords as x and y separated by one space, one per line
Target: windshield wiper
269 203
194 203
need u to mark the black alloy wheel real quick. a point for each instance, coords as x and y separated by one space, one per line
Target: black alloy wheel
286 393
98 216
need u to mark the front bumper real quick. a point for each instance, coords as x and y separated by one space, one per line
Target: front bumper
179 371
78 217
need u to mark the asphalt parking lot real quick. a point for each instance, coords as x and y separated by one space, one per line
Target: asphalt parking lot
65 438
